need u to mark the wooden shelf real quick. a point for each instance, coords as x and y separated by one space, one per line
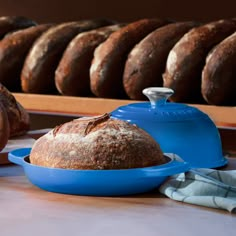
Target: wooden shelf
68 105
222 116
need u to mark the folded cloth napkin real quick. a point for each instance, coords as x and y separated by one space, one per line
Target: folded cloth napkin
205 187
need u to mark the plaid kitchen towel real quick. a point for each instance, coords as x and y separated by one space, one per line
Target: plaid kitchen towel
205 187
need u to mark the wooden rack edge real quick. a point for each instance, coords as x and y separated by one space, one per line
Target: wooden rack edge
222 116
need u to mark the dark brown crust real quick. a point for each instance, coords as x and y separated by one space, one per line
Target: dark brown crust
218 76
13 50
4 127
96 143
72 74
12 23
107 67
18 118
186 60
40 65
146 62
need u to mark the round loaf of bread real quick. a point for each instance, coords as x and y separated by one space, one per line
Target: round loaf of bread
96 143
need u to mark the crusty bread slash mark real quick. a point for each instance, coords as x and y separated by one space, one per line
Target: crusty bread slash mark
91 124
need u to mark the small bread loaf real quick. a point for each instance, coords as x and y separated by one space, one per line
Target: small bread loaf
146 62
18 118
4 127
40 64
106 71
72 74
186 60
218 76
96 143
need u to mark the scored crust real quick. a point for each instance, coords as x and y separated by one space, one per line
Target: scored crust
96 143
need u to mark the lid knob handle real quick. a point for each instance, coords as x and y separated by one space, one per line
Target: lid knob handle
157 95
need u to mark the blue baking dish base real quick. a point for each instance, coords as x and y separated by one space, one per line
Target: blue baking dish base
97 182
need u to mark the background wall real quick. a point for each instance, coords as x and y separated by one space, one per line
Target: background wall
123 10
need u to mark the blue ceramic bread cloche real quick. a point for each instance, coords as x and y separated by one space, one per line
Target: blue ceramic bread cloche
178 128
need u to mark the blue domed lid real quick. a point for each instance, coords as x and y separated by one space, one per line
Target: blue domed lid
158 109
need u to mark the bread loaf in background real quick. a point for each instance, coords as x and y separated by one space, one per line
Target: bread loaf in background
140 54
14 119
96 143
18 117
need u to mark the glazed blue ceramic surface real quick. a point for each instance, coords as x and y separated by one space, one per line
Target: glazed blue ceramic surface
97 182
178 128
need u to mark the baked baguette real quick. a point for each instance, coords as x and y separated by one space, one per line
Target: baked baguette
186 60
106 71
218 76
18 118
13 50
146 62
96 143
72 74
4 127
40 64
9 24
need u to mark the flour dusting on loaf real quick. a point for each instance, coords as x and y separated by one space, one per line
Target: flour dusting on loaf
171 62
96 143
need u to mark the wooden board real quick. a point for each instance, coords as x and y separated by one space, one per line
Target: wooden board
222 116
